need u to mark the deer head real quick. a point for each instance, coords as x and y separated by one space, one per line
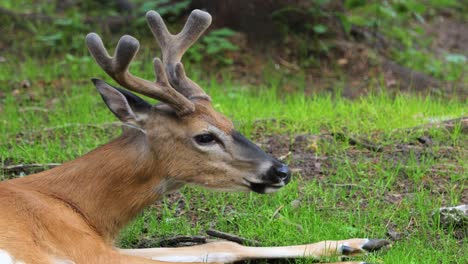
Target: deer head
189 139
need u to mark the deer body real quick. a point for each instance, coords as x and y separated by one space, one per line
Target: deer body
54 208
72 213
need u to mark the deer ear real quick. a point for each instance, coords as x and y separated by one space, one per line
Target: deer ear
125 106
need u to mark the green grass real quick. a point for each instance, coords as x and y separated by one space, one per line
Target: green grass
348 200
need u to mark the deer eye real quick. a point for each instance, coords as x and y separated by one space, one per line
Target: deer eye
204 139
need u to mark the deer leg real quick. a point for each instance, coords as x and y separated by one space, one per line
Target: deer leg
352 262
119 258
231 252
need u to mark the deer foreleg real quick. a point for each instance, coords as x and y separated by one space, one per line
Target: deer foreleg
231 252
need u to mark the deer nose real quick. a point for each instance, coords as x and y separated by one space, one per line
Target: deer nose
283 173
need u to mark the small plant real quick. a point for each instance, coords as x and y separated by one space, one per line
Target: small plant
61 32
392 19
214 45
165 7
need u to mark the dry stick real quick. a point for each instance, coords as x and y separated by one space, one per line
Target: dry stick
286 221
369 146
283 157
173 242
393 214
349 185
448 124
29 166
275 214
178 241
288 64
231 237
356 142
33 108
441 170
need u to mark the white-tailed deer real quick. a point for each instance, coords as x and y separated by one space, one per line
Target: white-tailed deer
72 213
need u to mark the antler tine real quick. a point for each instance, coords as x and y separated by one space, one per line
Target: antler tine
174 46
117 68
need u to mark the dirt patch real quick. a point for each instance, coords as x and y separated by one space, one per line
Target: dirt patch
299 151
410 156
449 34
356 62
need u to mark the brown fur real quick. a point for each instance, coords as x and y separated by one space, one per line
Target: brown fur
205 112
76 210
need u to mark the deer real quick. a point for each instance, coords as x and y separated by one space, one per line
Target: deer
71 214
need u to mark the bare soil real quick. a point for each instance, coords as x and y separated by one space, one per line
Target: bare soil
357 63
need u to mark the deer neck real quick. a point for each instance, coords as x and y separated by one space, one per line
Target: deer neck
110 185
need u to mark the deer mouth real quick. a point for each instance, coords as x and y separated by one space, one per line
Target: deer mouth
264 187
276 177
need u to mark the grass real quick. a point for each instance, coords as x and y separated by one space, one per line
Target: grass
48 122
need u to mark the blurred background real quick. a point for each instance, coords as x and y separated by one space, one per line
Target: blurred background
358 46
365 100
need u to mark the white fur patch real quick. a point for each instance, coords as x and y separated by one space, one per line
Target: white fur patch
364 242
61 261
271 190
5 257
264 167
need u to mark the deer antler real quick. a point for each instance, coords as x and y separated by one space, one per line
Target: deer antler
117 68
174 46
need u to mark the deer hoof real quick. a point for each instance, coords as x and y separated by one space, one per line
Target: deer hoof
376 244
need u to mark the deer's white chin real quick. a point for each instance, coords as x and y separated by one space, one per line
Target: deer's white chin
229 189
263 187
236 187
271 189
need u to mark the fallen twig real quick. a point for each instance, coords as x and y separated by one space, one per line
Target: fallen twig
231 237
275 214
288 64
33 108
449 124
181 241
394 212
355 142
177 241
286 221
349 185
283 157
